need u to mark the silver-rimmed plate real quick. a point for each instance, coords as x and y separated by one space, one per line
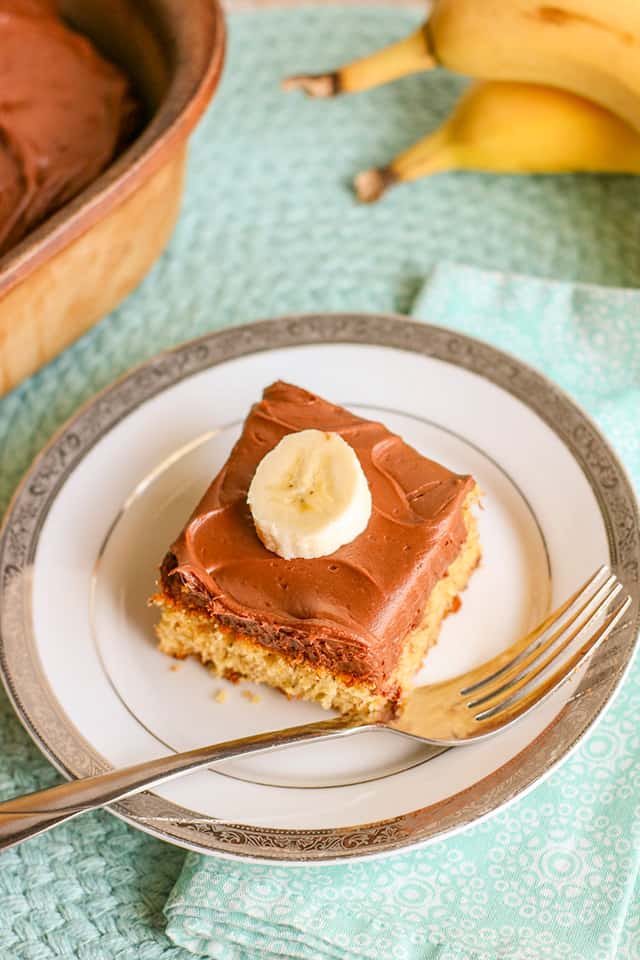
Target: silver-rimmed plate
90 522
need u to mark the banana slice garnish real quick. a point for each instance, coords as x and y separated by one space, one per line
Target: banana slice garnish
309 495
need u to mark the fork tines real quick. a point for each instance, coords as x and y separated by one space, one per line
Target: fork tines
564 641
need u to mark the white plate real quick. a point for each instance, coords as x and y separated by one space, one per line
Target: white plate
94 516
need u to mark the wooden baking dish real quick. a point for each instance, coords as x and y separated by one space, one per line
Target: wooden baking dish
80 263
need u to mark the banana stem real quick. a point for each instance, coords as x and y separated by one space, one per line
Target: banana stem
371 184
409 55
433 154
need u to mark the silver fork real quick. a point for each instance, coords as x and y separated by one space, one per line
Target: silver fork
472 706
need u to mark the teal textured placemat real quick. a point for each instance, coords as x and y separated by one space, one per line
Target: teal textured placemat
269 226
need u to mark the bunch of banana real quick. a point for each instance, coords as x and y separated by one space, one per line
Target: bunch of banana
561 90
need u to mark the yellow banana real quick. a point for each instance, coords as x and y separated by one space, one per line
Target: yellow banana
589 47
504 127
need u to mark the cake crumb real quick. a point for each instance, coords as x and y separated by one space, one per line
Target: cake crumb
174 667
251 696
232 676
221 696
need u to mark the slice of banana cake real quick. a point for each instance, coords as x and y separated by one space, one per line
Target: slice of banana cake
322 559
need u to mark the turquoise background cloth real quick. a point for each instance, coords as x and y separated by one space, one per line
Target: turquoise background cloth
270 226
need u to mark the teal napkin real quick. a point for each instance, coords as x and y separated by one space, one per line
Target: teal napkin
556 875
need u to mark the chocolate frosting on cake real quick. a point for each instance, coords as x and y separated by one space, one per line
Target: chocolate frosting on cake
64 111
351 610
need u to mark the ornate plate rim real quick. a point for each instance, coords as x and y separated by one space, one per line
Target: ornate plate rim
63 744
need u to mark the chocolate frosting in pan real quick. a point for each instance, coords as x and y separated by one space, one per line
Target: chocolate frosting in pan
350 610
64 111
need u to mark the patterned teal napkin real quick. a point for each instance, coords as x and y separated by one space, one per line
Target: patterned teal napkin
557 875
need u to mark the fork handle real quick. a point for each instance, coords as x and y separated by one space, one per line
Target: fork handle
34 813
